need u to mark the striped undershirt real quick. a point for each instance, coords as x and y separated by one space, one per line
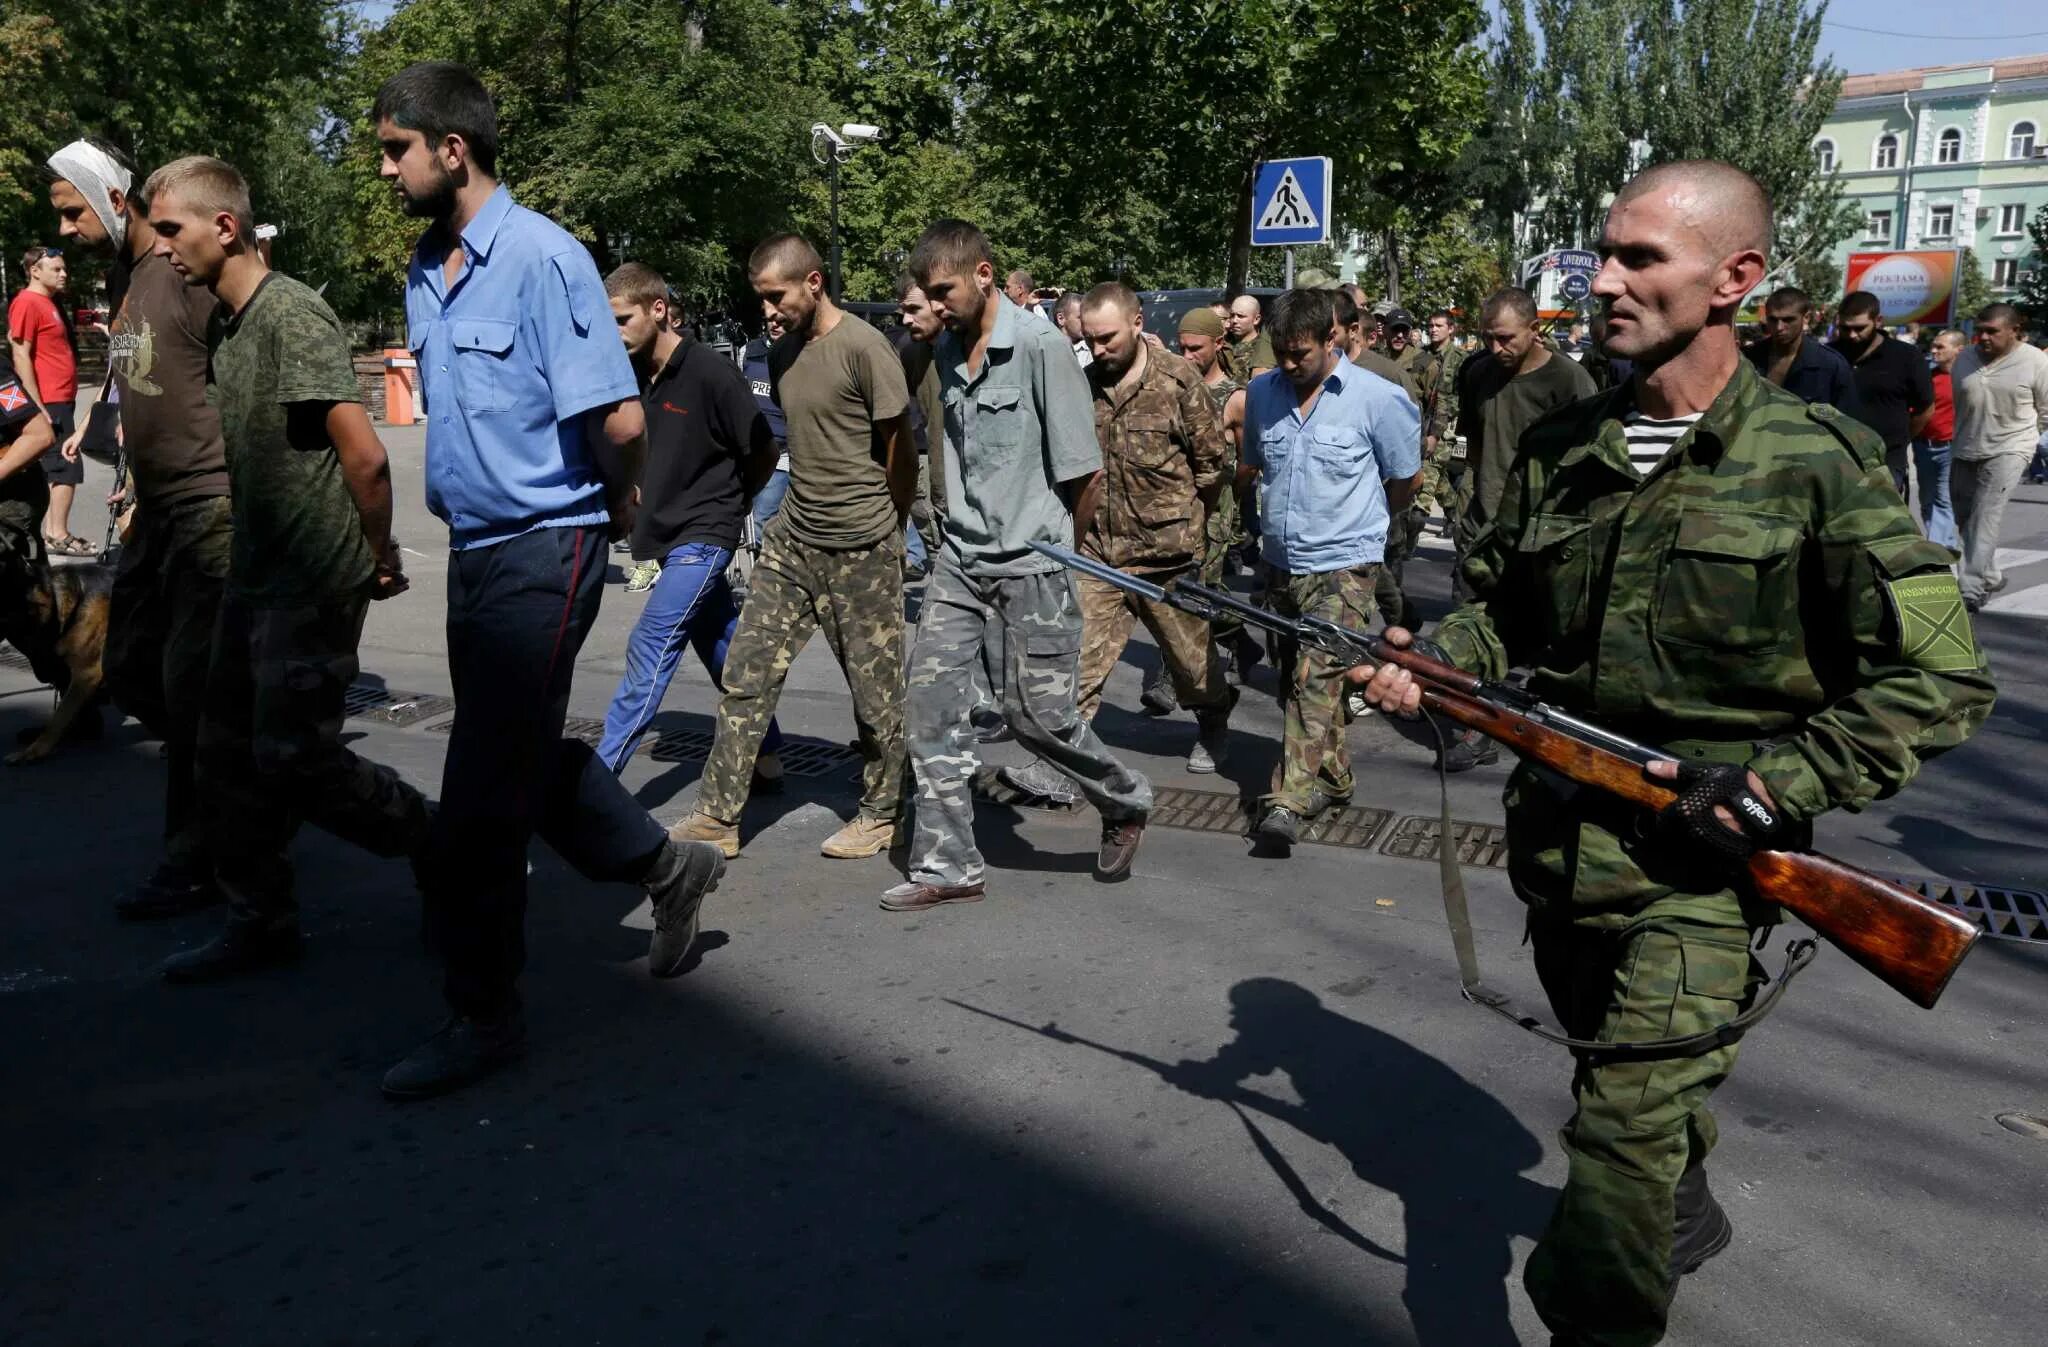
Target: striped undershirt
1651 437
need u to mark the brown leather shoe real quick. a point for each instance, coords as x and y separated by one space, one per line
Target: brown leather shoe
1120 838
915 896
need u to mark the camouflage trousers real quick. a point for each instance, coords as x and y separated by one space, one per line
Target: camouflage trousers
1315 763
160 619
1223 530
855 596
1387 594
270 754
1600 1275
1039 624
1186 651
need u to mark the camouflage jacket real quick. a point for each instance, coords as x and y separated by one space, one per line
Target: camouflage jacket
1162 444
1437 376
1241 358
1762 596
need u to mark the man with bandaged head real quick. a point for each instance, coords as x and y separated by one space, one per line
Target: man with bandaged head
160 632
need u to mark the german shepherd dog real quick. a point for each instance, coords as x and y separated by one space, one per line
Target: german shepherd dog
57 616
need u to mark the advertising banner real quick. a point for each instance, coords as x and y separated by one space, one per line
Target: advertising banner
1911 287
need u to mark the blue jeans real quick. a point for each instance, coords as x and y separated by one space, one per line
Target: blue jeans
1937 511
690 603
769 498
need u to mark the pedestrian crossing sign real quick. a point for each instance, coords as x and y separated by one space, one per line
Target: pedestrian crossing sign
1291 203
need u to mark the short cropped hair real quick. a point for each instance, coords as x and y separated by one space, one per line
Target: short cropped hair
1113 294
33 258
905 283
1790 297
1859 304
949 247
790 256
441 98
637 283
1302 313
1068 301
1513 300
209 186
1344 310
1022 279
2003 313
1444 314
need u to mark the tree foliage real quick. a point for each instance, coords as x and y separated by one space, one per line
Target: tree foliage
2033 291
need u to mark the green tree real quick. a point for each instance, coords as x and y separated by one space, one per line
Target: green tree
1135 126
2033 290
1973 292
32 53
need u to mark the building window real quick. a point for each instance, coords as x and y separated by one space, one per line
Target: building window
1887 151
1941 221
2012 218
1824 155
1880 226
2020 144
2005 272
1949 149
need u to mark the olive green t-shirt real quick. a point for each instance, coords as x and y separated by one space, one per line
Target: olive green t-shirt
834 392
298 537
1495 408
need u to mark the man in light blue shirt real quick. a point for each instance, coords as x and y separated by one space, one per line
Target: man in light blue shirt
534 440
1335 449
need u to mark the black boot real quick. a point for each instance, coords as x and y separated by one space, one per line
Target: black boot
685 872
1470 749
1159 698
243 947
171 891
1700 1229
462 1052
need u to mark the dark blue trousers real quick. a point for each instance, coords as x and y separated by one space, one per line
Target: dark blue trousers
517 615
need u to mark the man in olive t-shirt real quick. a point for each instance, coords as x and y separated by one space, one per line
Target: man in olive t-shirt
168 585
1513 384
832 557
312 546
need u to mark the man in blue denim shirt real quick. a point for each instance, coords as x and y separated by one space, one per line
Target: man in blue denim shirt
1335 449
534 440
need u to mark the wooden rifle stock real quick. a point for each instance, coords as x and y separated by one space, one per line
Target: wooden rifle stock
1913 945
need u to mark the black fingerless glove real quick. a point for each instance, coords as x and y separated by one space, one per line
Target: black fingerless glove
1691 816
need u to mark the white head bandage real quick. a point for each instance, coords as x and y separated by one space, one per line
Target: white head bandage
97 177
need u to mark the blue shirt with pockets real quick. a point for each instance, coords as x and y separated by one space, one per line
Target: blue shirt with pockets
510 357
1323 499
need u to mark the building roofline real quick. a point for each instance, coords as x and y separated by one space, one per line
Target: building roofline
1915 79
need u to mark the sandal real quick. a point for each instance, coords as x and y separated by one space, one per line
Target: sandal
71 545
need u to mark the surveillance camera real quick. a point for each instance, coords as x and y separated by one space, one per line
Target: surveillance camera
860 131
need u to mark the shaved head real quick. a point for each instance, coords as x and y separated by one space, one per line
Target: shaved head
1726 205
1111 295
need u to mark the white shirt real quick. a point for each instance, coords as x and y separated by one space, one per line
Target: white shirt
2002 407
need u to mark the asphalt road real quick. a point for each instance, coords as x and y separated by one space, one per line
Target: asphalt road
845 1127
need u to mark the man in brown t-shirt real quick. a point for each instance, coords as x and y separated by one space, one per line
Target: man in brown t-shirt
168 587
832 557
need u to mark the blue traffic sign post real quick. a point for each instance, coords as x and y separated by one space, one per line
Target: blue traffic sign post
1291 205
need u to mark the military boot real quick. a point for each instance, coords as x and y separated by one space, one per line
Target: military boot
1700 1228
170 891
682 875
242 947
463 1051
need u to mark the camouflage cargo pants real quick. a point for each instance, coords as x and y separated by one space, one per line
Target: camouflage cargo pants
1039 625
1315 764
167 591
1387 593
1600 1274
1186 651
855 596
270 754
1222 531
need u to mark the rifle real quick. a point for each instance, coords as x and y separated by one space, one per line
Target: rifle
1912 944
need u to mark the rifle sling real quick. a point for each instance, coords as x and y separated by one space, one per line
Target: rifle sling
1458 915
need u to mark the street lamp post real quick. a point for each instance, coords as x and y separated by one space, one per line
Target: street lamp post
833 148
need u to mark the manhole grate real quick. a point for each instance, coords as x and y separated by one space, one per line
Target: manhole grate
374 701
679 746
1211 811
815 757
1416 838
575 727
2009 914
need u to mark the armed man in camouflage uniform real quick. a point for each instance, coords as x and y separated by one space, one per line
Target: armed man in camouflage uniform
1020 466
1165 465
1753 598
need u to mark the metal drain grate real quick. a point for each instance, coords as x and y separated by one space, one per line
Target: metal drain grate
1211 811
14 659
2009 914
815 757
387 706
679 745
1417 838
575 727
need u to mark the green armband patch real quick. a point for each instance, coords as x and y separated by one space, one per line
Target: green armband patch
1934 630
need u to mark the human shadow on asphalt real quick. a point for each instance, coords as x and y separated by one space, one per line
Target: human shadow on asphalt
1451 1153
